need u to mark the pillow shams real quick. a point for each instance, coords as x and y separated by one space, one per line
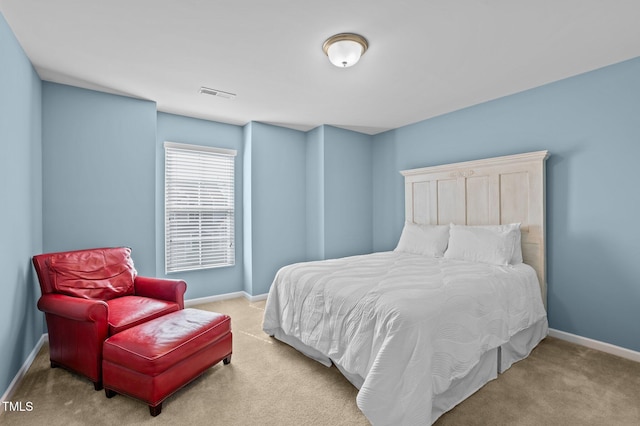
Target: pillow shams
494 244
427 240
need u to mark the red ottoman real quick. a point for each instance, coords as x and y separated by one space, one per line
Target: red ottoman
154 359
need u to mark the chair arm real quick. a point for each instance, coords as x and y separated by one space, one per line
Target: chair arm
163 289
73 308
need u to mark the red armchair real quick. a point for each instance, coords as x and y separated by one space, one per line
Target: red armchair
89 295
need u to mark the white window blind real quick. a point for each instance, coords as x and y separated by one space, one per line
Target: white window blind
199 207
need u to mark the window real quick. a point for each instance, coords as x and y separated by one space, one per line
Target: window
198 207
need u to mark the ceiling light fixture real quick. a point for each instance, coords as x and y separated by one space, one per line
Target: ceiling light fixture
216 92
345 49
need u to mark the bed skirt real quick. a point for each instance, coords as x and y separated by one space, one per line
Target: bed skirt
494 361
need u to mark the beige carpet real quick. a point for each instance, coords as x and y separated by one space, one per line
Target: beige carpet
269 383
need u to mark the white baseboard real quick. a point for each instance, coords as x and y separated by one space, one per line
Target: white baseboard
257 298
23 370
219 297
596 344
200 300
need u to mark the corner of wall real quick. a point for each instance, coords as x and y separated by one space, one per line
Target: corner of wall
247 243
21 324
315 193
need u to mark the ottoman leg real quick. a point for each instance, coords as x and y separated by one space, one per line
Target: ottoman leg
227 360
110 393
154 411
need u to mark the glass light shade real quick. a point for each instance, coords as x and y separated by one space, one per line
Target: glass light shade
344 53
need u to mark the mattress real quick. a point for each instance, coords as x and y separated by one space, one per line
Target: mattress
401 327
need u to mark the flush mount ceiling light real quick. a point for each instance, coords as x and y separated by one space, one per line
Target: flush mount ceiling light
345 49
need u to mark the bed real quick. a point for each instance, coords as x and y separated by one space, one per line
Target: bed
461 298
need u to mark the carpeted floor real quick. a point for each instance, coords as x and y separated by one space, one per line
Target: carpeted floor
269 383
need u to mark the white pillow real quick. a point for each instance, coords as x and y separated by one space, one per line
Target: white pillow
495 244
427 240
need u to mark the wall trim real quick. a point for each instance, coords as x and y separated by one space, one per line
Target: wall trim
256 298
596 344
201 300
23 370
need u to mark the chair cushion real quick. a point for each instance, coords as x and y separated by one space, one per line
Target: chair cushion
100 274
157 345
128 311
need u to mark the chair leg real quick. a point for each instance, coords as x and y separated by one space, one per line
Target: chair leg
96 385
227 360
110 393
154 411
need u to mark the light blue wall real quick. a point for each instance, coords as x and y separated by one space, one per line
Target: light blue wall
339 193
175 128
21 324
591 126
308 196
275 187
99 172
348 192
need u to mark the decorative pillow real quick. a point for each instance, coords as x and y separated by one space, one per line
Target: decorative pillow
101 274
427 240
495 244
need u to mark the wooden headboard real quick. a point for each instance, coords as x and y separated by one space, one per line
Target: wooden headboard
493 191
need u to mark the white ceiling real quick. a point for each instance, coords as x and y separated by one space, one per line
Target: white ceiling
425 57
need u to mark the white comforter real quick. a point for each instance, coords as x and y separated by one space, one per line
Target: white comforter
401 327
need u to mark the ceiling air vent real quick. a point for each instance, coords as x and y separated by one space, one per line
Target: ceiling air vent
216 92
